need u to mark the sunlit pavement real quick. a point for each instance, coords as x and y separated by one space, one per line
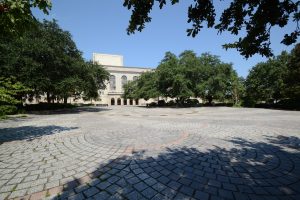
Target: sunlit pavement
152 153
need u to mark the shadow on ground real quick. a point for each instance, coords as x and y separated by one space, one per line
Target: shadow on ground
251 170
29 132
70 110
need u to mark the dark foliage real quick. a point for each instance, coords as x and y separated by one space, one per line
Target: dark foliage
256 18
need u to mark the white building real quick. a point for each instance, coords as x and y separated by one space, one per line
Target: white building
119 75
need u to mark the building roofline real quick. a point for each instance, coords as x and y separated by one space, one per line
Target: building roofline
127 67
108 54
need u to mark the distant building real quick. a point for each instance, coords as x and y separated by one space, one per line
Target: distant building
119 75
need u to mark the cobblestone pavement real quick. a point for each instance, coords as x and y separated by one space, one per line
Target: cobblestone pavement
157 153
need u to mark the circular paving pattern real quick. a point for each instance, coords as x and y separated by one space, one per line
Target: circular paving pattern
140 153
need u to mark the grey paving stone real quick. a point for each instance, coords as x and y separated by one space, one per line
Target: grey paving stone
113 189
150 181
214 151
134 195
201 195
77 197
51 184
133 180
18 193
158 187
241 196
225 194
158 197
81 188
90 192
4 195
15 181
149 193
229 186
102 195
174 185
181 196
113 179
7 188
34 189
140 186
103 185
187 190
115 197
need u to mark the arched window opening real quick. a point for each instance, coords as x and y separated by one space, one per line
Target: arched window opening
125 102
119 101
112 82
112 101
131 102
136 102
123 80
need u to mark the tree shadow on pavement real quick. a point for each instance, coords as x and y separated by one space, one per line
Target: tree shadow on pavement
70 110
250 170
29 133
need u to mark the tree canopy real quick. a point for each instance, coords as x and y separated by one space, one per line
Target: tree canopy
256 18
16 15
188 75
293 74
275 81
47 60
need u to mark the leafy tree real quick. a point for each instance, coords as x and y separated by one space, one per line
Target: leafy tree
172 81
16 15
256 18
130 90
93 79
47 60
237 88
11 92
217 86
292 80
144 87
188 76
147 85
266 80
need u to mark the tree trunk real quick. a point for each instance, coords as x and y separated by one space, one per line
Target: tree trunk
209 98
65 100
48 97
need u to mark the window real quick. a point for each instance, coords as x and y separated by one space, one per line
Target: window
124 80
112 82
124 101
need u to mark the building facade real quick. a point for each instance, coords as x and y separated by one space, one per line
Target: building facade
119 75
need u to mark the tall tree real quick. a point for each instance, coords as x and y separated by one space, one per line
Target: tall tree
293 76
16 15
11 92
256 18
266 80
47 60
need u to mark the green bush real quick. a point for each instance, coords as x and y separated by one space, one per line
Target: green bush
285 104
171 103
161 103
152 104
8 110
191 102
48 106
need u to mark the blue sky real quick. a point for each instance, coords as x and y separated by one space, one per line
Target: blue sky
100 26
